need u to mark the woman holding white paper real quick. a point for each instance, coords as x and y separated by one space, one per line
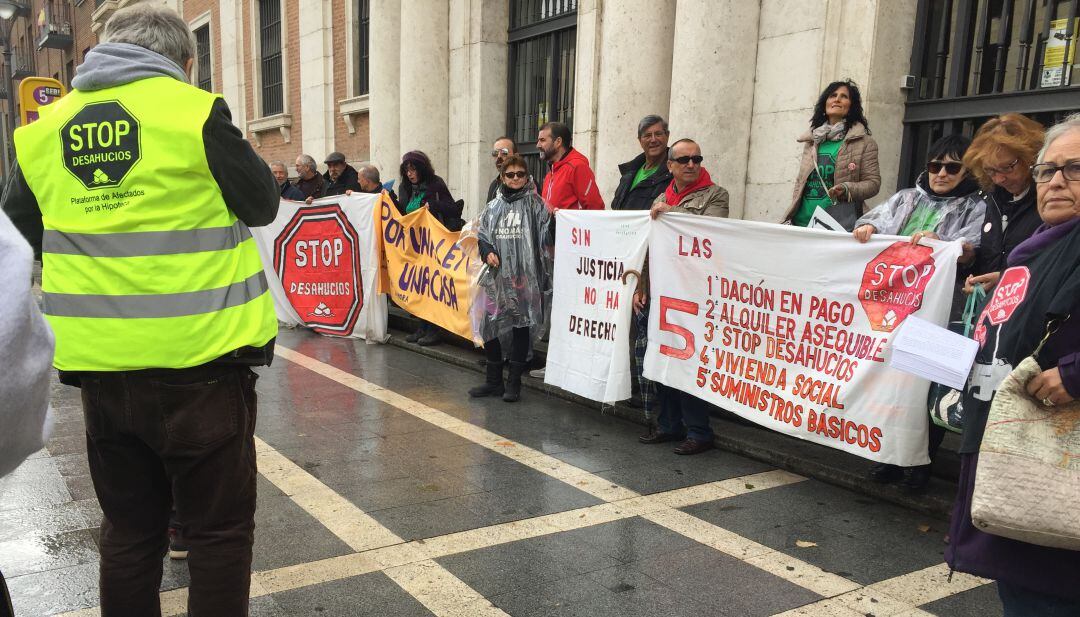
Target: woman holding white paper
947 204
1039 291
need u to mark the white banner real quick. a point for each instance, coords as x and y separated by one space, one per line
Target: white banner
322 263
789 328
589 350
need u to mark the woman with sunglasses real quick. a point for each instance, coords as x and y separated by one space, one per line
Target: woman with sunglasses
1000 158
514 285
839 167
945 204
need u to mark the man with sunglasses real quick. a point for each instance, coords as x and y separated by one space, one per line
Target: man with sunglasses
500 150
683 417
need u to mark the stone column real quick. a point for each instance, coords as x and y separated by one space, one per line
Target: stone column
232 71
425 77
384 76
712 86
635 73
478 57
316 51
587 76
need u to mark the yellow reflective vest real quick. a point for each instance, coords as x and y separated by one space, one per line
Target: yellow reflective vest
144 266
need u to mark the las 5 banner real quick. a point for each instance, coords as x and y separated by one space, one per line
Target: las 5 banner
789 327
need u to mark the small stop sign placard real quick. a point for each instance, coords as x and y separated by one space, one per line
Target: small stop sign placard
893 284
317 258
1009 293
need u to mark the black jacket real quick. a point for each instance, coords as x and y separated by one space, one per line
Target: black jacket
493 188
289 191
439 201
347 181
1008 223
641 196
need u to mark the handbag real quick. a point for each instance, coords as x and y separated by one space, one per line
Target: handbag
945 403
1027 483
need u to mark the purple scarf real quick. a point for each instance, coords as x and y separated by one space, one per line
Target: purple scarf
1043 237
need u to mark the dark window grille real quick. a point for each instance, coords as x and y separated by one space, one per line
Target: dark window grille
543 53
270 73
363 46
975 59
204 77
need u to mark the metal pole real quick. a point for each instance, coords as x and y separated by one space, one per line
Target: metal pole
9 124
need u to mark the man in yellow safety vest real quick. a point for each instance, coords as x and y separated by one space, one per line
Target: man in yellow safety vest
138 191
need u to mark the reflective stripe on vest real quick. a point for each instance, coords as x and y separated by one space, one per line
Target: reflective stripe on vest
145 243
156 305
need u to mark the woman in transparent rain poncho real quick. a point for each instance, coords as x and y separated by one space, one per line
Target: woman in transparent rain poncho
513 285
945 204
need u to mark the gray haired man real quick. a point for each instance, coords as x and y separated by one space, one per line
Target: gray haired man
642 180
308 179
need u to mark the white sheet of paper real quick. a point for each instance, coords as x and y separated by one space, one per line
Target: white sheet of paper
932 352
821 219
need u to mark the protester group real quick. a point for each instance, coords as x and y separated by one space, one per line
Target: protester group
1011 195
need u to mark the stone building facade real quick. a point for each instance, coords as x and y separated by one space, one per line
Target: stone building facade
741 78
376 78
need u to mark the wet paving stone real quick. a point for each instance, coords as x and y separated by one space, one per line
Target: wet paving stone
423 482
370 595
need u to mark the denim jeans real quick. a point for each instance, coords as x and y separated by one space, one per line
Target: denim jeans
1019 602
677 408
159 439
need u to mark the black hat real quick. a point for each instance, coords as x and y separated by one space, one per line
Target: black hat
335 157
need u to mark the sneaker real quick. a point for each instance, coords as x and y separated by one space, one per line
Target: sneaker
538 373
178 549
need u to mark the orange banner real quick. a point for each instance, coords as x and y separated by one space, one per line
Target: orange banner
425 268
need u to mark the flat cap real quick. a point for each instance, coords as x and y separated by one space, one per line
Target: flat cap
335 157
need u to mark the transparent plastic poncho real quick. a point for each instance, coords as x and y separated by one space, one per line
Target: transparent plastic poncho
518 229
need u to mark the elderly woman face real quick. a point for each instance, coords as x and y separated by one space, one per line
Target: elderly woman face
515 177
1006 170
1059 197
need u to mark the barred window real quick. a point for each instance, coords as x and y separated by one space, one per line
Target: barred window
543 52
363 46
270 61
203 78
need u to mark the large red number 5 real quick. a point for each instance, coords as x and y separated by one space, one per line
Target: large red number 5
683 306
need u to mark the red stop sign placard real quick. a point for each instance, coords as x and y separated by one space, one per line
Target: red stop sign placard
1009 293
317 258
893 284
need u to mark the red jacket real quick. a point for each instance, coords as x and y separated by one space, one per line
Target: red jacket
571 184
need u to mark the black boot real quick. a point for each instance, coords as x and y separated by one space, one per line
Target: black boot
493 384
883 473
513 382
416 336
916 480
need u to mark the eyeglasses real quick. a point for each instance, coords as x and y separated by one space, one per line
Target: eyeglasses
683 160
497 152
1045 172
654 135
513 175
1004 171
934 167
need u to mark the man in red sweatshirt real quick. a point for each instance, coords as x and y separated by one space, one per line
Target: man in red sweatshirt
570 183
